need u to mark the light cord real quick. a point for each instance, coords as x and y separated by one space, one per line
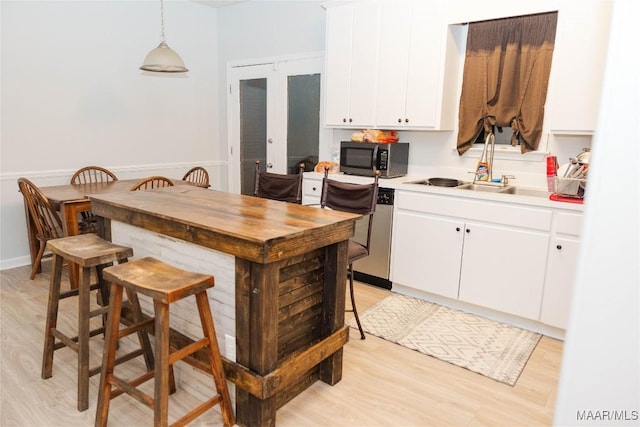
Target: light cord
162 38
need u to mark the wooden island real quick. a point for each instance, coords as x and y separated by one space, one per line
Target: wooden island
290 265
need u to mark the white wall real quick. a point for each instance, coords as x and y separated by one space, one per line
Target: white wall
601 363
98 106
72 95
264 29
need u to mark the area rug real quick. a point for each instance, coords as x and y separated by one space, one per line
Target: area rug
496 350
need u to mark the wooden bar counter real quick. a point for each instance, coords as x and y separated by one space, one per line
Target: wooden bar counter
290 275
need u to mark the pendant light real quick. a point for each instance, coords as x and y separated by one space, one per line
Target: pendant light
163 59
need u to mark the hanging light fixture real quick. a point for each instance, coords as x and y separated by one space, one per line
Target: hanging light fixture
163 59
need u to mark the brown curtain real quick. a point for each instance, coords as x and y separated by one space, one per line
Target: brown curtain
505 80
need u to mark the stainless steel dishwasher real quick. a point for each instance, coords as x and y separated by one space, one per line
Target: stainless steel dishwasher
374 269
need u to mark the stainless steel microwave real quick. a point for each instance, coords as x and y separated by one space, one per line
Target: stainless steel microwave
363 158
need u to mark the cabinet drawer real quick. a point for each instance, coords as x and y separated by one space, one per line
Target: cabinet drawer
569 223
311 188
477 210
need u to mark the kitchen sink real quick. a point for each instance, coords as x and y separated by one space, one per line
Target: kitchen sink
525 191
511 189
482 187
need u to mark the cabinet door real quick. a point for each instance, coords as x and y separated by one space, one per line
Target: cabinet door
426 253
503 269
351 64
413 53
427 59
364 64
578 66
338 64
395 37
558 289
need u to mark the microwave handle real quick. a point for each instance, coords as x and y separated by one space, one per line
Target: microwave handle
375 159
379 164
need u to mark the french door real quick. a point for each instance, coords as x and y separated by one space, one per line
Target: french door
274 117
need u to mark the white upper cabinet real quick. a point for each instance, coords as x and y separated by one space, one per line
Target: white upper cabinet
391 65
351 63
577 69
414 47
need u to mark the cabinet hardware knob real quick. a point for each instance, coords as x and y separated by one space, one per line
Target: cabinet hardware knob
558 247
350 120
467 230
406 120
399 120
344 120
457 228
313 188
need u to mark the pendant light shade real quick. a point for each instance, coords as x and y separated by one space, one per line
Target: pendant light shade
163 59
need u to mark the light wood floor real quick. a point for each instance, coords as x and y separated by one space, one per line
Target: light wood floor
383 384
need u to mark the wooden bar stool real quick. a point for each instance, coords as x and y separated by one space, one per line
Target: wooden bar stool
164 284
87 251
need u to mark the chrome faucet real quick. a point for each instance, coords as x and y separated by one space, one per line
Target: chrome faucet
504 181
491 143
506 178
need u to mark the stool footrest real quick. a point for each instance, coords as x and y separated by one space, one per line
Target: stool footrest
197 411
71 342
136 327
99 311
119 360
76 291
130 388
188 350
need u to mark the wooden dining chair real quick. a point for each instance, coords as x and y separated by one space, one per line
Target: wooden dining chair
89 174
358 199
152 182
198 176
45 219
275 186
86 175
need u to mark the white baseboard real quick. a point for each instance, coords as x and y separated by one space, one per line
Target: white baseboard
6 264
520 322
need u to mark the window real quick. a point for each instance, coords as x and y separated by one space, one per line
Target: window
505 80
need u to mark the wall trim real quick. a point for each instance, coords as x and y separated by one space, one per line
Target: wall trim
12 211
56 173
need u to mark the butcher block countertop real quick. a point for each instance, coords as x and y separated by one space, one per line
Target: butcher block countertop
251 228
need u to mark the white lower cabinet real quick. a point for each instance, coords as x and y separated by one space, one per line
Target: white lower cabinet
561 270
494 258
514 258
503 268
426 253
